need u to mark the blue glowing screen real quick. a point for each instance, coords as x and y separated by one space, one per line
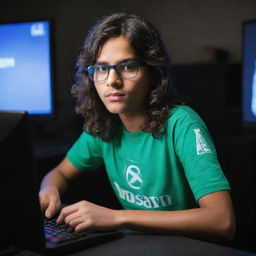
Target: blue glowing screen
249 72
25 67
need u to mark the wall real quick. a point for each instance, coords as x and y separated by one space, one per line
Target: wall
185 25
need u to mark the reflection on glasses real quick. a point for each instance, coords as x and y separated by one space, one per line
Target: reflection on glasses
125 70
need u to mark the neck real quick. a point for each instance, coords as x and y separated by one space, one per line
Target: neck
133 123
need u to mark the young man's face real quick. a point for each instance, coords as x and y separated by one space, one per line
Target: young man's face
122 96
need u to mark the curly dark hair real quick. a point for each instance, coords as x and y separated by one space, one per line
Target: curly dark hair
149 48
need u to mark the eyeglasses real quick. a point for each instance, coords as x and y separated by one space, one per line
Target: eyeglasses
125 70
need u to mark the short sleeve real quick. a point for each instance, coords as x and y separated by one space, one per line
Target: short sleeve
197 154
85 154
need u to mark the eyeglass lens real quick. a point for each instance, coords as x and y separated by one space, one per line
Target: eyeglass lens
125 71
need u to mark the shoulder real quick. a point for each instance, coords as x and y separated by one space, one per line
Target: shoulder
184 115
87 139
86 136
182 119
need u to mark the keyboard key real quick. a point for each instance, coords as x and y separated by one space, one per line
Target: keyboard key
58 233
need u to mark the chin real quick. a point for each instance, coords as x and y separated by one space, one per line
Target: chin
116 109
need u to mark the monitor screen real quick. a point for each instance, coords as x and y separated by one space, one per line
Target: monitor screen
26 67
249 73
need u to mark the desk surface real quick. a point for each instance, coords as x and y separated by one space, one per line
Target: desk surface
153 245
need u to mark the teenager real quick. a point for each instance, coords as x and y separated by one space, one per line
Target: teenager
158 154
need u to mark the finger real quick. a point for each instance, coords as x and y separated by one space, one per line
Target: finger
84 225
76 221
43 205
43 201
52 208
72 216
65 212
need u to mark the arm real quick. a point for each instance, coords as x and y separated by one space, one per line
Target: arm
214 219
53 184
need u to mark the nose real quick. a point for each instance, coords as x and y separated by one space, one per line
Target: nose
114 79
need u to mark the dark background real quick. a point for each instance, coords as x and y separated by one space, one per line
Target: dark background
186 26
211 84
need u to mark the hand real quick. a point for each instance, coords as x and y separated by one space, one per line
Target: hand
49 201
88 216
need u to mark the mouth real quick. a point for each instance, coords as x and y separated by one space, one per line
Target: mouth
115 96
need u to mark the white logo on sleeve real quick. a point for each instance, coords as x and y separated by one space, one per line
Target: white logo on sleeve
133 177
202 146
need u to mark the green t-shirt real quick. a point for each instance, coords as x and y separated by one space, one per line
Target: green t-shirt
167 173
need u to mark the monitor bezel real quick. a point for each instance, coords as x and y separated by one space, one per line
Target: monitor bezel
43 117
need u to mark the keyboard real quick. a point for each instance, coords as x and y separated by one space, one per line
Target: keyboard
59 233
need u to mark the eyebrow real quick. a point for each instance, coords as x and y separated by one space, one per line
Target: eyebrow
122 61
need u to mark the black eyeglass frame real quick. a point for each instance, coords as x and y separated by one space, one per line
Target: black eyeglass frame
90 69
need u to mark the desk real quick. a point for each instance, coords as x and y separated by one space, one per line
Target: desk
154 245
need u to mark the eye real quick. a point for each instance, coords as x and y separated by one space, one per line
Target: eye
127 67
100 68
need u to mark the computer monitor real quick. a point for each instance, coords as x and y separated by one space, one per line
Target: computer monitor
249 74
26 70
18 178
